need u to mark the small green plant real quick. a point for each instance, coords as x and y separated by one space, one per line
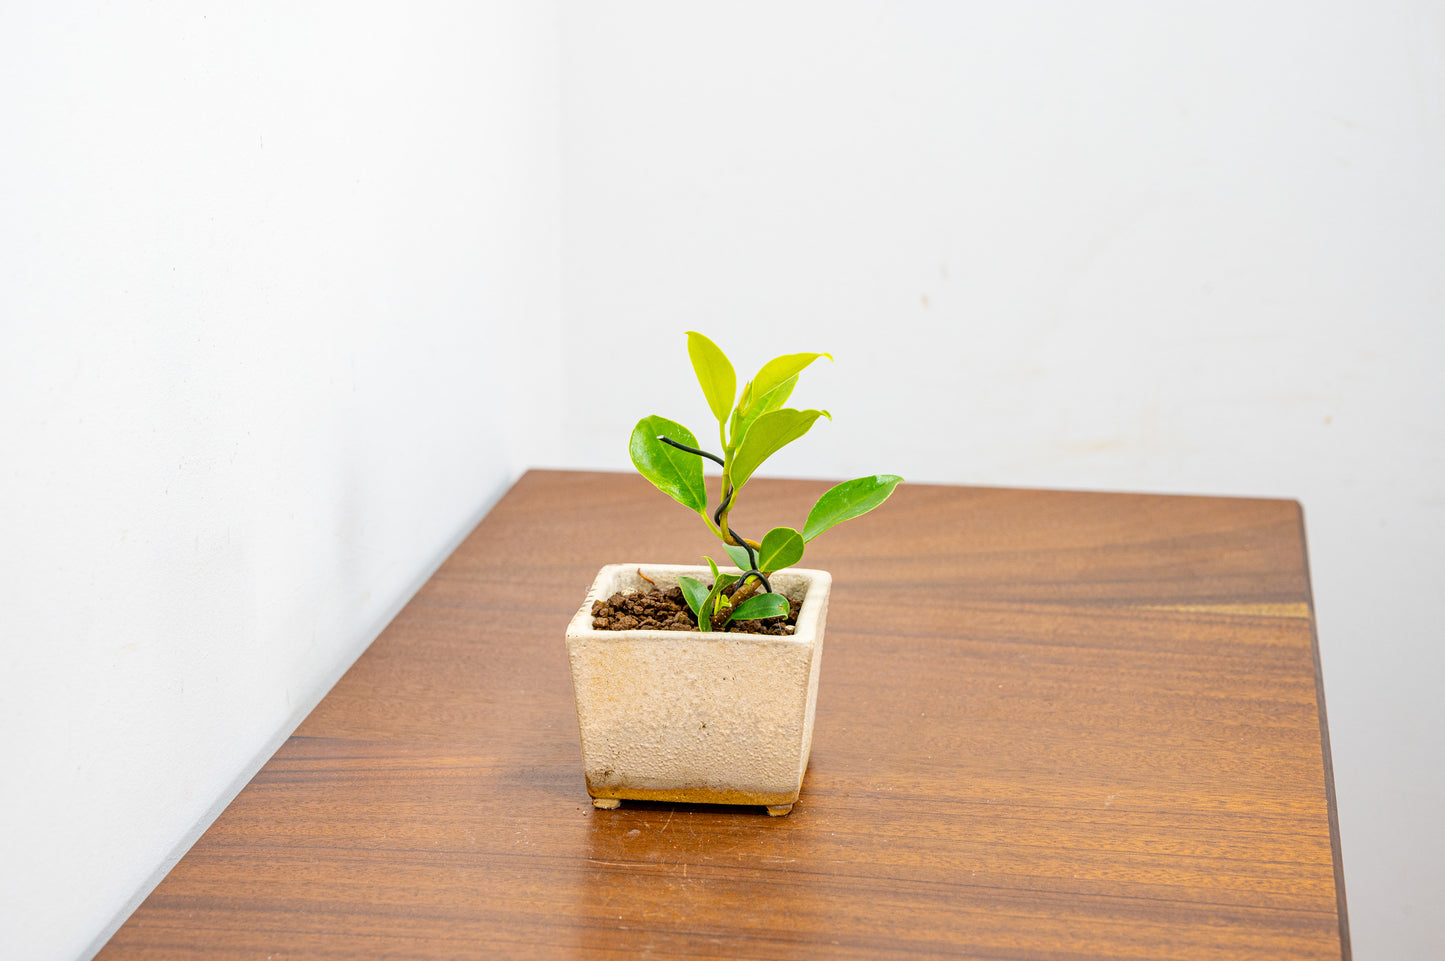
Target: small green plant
752 426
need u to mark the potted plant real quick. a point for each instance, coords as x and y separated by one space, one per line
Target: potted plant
698 683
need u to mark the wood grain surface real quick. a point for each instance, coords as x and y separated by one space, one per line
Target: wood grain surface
1052 725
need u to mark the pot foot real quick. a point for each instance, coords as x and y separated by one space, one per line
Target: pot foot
778 810
606 803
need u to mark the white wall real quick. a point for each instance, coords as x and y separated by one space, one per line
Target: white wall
265 271
1189 248
266 275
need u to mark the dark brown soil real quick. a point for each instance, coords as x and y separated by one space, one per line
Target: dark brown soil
655 610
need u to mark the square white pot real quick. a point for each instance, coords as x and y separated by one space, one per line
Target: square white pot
718 718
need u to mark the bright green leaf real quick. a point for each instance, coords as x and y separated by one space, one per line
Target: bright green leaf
710 599
746 400
767 435
780 369
749 411
676 473
715 374
720 580
761 605
776 397
781 547
696 596
740 557
847 501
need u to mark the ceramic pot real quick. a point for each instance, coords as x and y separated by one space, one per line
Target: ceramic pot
716 718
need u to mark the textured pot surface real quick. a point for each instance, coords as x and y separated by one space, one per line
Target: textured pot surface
717 718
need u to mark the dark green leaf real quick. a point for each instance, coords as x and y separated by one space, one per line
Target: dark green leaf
695 595
761 605
767 435
676 473
707 605
715 374
781 547
847 501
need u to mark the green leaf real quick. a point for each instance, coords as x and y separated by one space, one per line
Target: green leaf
761 605
701 599
781 547
847 501
769 390
715 374
776 397
676 473
780 369
749 411
694 593
769 434
720 580
739 556
746 400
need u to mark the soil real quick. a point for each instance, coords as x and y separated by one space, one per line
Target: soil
657 610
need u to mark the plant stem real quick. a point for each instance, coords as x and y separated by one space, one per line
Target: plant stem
753 578
719 518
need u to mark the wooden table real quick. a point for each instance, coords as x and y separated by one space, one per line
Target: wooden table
1052 725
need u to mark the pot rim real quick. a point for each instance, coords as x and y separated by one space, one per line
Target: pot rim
814 584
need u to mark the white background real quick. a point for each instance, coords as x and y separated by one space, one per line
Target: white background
272 278
287 299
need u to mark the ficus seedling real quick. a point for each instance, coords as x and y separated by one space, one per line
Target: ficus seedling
753 425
